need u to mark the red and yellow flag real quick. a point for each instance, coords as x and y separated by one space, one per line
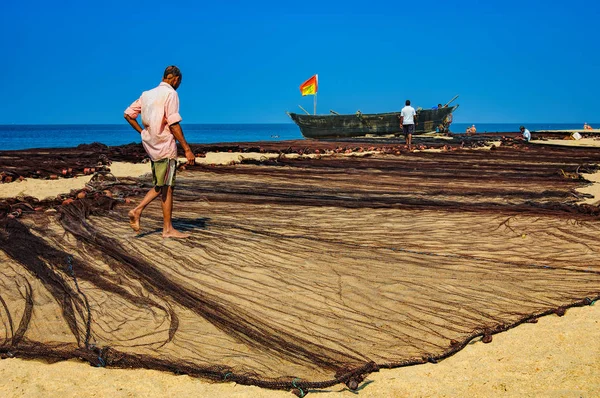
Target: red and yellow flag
310 86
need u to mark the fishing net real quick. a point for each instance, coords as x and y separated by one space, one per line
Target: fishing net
303 273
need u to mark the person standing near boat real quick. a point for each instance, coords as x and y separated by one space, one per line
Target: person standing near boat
160 116
408 120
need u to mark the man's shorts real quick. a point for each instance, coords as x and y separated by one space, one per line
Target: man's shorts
408 129
163 172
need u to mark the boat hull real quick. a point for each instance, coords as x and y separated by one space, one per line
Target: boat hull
341 126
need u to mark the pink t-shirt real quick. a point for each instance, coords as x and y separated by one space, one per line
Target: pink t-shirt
160 109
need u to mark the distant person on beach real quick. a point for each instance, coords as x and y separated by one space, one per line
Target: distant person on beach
408 119
587 126
471 130
526 133
160 116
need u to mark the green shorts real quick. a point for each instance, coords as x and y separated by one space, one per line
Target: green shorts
163 172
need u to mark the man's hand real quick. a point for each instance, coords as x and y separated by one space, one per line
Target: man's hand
178 133
134 123
189 155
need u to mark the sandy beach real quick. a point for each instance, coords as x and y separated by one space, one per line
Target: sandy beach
273 199
555 357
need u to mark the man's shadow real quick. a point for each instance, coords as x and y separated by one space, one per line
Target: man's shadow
181 224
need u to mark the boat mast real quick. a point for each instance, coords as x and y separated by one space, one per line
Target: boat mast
305 111
452 100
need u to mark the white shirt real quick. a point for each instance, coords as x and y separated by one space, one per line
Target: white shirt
527 135
408 113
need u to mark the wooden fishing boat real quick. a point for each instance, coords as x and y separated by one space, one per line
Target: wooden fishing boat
359 124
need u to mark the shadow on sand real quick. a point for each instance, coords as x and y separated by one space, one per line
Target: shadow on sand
188 225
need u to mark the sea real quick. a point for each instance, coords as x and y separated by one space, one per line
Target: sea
15 136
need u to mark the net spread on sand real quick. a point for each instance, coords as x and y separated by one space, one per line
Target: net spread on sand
304 273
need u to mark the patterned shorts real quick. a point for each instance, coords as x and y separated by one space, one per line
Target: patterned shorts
163 172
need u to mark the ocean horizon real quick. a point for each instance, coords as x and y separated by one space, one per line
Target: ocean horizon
27 136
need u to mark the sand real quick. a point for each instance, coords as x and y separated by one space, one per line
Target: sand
51 188
585 142
557 357
42 189
592 189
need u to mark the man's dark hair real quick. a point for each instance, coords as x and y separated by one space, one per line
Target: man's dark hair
171 70
407 102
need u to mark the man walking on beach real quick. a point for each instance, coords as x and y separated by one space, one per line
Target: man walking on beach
160 116
408 120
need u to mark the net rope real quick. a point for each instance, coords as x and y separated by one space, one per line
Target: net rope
303 273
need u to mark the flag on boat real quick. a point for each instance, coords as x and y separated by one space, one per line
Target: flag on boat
310 86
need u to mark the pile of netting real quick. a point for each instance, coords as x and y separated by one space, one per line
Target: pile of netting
303 273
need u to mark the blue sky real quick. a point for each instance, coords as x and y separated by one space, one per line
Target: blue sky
510 61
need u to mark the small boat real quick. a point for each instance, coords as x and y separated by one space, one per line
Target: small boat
359 124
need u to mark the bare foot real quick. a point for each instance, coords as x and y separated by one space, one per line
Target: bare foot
173 233
134 220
